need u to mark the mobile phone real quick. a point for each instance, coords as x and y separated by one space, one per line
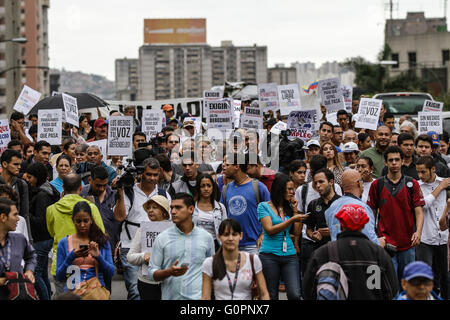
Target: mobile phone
184 265
84 246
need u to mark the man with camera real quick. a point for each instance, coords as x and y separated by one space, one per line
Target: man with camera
129 209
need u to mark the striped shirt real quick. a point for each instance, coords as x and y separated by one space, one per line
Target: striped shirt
194 248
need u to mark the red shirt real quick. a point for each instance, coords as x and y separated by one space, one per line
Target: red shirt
396 210
267 178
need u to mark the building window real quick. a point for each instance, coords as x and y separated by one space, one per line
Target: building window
412 59
445 56
394 57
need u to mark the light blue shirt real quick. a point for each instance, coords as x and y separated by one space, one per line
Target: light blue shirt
335 226
171 245
58 184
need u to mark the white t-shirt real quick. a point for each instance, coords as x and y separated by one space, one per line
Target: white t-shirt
366 189
243 289
205 220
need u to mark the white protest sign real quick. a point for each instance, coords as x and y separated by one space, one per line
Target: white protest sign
120 136
429 121
50 126
332 117
220 114
210 96
289 98
368 113
71 109
149 231
278 127
268 96
237 112
302 124
252 118
5 134
432 106
331 94
347 93
152 121
101 144
27 100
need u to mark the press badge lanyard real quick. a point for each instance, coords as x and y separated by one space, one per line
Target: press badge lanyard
285 234
232 288
6 261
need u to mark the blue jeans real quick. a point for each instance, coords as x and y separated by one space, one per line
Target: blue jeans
401 259
249 249
130 275
42 284
275 267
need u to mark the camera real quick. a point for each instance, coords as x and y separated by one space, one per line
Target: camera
128 178
84 170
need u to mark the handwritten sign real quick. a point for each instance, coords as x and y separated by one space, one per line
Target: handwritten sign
368 113
432 106
268 96
302 124
152 121
289 98
5 134
120 132
331 94
149 231
50 126
71 109
429 121
27 100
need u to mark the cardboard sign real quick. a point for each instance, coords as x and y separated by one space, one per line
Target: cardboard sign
268 96
27 100
331 94
220 114
347 93
302 124
50 126
252 118
71 109
368 113
289 98
101 144
149 231
432 106
120 136
5 134
429 122
152 122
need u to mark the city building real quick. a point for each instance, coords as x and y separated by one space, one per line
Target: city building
282 75
127 79
420 45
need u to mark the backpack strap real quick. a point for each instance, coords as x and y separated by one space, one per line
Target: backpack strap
224 196
255 187
333 253
162 192
304 193
253 265
380 186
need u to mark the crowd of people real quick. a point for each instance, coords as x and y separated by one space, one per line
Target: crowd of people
367 209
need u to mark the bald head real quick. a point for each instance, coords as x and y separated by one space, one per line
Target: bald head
351 182
72 183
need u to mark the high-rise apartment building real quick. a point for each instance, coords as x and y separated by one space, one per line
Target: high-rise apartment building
281 75
127 79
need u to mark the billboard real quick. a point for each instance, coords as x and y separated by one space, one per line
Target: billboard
174 31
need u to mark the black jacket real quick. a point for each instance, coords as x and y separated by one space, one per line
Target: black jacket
356 254
42 197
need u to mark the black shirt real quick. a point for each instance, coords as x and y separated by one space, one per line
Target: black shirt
316 219
406 170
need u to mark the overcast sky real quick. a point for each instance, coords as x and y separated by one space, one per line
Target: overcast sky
88 35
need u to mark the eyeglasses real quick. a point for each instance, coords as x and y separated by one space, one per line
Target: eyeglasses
173 141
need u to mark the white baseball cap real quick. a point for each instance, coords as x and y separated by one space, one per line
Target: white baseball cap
350 147
312 143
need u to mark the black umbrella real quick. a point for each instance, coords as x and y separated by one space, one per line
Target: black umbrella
84 101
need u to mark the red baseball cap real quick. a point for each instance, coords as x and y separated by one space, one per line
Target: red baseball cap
100 122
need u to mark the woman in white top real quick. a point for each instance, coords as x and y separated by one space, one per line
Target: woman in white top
208 213
365 168
230 271
157 208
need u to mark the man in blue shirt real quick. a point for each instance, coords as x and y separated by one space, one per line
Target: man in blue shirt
352 186
94 155
242 202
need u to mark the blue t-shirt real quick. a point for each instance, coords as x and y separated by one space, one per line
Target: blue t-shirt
242 206
274 243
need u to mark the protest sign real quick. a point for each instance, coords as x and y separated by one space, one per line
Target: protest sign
252 118
152 122
210 96
429 121
5 134
432 106
101 144
120 136
71 109
331 94
347 93
332 117
149 231
237 113
368 113
278 127
268 96
289 98
27 100
302 124
220 114
50 126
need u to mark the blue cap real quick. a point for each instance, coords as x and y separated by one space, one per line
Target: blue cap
417 269
435 137
172 119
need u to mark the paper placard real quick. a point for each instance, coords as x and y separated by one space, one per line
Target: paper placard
152 122
429 121
432 106
50 126
302 124
252 118
149 231
332 117
210 96
268 96
368 113
220 114
71 109
101 144
331 94
120 136
347 93
5 134
289 98
27 100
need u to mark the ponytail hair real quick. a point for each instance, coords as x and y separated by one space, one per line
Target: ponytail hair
95 233
218 263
